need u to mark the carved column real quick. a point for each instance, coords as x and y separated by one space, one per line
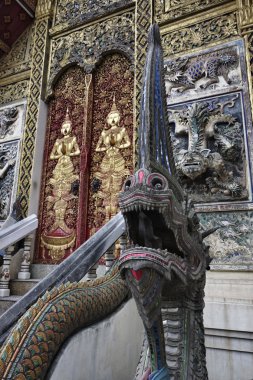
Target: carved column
5 273
24 273
36 90
109 257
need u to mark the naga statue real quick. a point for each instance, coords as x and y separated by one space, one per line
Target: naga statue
165 260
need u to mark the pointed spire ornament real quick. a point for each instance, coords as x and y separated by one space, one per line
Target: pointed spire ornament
67 118
154 125
114 107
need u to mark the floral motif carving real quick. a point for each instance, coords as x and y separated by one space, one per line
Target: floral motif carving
13 92
232 243
200 34
171 9
19 58
70 13
112 78
86 47
65 158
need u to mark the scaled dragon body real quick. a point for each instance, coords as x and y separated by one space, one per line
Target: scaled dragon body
165 262
35 340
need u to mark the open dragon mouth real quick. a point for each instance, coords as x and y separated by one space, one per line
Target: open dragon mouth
148 228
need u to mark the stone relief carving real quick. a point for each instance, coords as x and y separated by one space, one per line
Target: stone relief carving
13 92
171 9
212 71
11 121
7 120
232 242
73 12
200 34
86 46
209 148
8 153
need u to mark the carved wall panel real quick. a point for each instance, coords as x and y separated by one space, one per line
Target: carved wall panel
19 58
215 71
211 132
173 9
112 144
200 34
11 128
231 244
65 157
209 147
14 91
70 13
85 47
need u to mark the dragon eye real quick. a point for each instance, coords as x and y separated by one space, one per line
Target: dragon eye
157 183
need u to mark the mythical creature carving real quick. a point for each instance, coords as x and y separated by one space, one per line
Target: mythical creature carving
204 160
7 120
35 340
165 262
8 152
184 74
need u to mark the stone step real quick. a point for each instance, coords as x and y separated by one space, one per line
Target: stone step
7 302
21 287
41 270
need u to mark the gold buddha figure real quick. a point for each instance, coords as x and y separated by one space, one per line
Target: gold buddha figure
112 169
61 236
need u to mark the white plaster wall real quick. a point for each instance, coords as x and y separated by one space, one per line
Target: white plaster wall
109 350
228 319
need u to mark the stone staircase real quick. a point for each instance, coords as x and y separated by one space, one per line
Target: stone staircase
20 287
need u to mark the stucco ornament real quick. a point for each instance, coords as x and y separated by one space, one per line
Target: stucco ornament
201 124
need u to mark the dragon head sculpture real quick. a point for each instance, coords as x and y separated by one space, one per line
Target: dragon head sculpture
165 260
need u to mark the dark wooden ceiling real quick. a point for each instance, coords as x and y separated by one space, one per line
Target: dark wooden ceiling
15 16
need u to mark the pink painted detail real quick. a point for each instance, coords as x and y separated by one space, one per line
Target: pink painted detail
137 274
140 176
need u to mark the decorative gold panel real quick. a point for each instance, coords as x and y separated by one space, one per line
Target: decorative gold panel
172 9
87 46
13 92
35 88
19 58
200 34
112 138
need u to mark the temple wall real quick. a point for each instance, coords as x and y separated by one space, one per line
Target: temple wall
117 361
208 64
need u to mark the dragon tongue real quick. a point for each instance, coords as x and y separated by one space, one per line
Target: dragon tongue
137 274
